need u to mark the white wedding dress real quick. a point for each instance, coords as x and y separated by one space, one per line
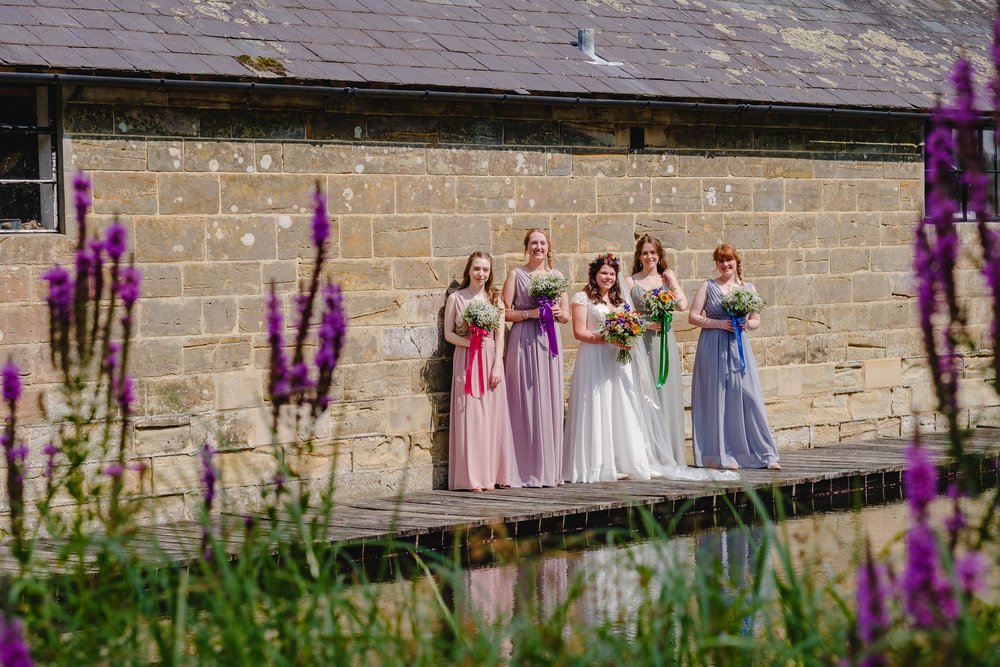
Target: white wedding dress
603 437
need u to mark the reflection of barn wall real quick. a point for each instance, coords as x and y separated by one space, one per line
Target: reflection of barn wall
216 196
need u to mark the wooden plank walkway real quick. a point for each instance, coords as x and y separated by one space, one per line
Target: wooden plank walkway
869 471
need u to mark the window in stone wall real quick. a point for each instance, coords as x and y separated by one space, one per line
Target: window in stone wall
987 139
28 160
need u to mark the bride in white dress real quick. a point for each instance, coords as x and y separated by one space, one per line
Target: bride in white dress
603 438
614 425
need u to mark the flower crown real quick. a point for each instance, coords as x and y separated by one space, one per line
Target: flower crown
611 259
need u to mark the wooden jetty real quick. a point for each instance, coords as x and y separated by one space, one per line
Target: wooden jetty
824 477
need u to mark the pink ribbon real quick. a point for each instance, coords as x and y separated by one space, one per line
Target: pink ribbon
475 350
548 323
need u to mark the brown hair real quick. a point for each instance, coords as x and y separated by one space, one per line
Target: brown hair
592 291
527 237
661 263
726 251
492 295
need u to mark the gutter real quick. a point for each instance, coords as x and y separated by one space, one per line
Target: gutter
163 84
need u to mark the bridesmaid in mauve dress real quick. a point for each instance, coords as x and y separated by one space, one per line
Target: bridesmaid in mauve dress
727 406
534 373
480 450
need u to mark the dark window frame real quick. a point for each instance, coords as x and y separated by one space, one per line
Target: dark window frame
45 129
960 191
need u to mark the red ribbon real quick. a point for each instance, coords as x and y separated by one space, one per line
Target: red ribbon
475 350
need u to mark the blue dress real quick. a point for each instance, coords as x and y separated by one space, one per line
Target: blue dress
727 406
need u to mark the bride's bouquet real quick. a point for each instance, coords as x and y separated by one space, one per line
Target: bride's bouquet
622 326
483 318
739 304
547 288
660 304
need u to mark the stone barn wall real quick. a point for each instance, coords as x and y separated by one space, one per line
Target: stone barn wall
215 193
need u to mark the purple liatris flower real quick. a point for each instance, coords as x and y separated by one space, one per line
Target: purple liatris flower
208 474
321 223
129 281
61 288
10 378
278 380
331 335
81 202
14 650
114 470
919 479
873 597
299 377
126 395
969 570
114 242
926 594
50 452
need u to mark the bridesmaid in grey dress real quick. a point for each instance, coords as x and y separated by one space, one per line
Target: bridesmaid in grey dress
534 372
727 406
649 271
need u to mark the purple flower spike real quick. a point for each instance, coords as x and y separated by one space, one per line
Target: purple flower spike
129 281
969 569
208 474
61 288
114 470
873 597
920 479
920 578
278 380
50 452
126 395
321 223
10 376
14 650
81 201
114 242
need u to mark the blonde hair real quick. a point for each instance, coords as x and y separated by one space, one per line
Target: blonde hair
527 237
726 251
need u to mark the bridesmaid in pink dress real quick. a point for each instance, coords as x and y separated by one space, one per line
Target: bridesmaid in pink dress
480 450
534 371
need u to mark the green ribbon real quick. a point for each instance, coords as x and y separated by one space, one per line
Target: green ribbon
665 321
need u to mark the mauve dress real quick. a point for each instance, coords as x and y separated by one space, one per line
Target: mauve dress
534 379
727 406
480 450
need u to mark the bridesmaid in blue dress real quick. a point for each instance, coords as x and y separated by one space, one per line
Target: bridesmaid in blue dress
729 422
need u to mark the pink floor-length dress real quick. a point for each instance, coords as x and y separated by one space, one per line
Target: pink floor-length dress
534 380
480 449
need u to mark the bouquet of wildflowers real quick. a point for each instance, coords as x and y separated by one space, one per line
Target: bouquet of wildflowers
660 304
548 286
622 326
741 302
481 315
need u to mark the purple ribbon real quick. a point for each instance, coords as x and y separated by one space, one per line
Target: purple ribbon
737 323
548 323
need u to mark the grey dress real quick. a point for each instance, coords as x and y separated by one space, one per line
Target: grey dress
727 407
671 394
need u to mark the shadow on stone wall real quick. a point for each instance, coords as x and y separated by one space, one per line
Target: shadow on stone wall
435 380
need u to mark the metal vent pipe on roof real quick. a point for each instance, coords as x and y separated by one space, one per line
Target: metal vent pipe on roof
585 40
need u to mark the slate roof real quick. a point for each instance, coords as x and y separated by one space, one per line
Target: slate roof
853 53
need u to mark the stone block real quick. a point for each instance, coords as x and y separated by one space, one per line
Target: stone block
832 289
824 434
355 236
858 430
623 195
86 154
869 287
360 274
164 155
829 409
160 441
420 273
409 414
558 162
355 194
902 401
676 195
494 194
173 239
389 160
789 380
219 315
237 390
425 194
247 468
849 260
788 413
161 280
155 357
169 317
728 194
411 342
377 307
189 394
216 355
321 460
877 195
692 165
387 454
870 404
602 233
294 237
784 351
318 158
459 235
601 163
457 160
793 438
158 120
747 230
652 164
840 196
125 193
230 238
471 130
803 195
564 231
362 346
358 419
555 195
268 158
176 473
892 258
768 194
215 156
222 279
267 193
517 163
911 196
859 229
364 382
